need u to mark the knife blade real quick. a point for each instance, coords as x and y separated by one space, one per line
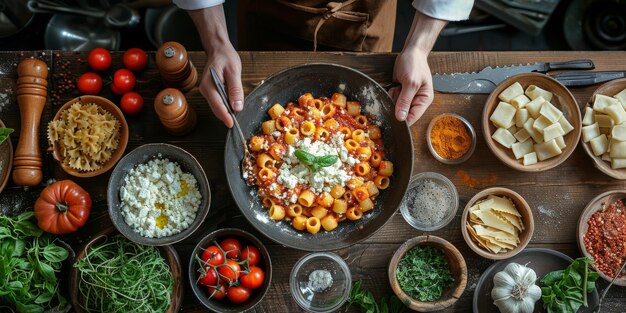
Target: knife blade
489 77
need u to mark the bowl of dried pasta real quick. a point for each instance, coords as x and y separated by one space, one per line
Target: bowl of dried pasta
87 136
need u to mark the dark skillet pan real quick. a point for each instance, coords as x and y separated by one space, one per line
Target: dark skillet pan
321 80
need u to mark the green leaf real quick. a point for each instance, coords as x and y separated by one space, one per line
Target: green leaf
28 229
4 133
54 253
305 157
44 298
552 278
327 160
47 272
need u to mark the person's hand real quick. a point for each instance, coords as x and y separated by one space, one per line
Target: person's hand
227 64
415 92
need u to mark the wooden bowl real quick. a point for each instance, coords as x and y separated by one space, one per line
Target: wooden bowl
523 208
123 139
597 204
225 306
607 89
562 99
167 252
6 157
457 265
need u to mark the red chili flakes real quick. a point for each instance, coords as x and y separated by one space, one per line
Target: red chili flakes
605 239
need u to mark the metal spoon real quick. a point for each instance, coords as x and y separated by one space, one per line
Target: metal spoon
248 158
597 308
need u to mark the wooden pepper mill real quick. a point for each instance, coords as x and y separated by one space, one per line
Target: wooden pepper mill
175 114
31 98
175 67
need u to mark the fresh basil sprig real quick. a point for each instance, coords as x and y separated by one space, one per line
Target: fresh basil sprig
4 133
315 162
565 291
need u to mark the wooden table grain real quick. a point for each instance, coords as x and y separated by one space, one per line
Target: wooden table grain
556 196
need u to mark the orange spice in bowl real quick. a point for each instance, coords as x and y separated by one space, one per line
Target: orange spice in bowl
451 138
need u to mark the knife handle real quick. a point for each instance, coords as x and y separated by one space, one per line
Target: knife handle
571 65
573 79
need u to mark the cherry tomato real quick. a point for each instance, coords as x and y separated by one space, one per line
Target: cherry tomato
254 279
99 59
135 59
131 103
252 254
232 247
124 80
217 293
230 271
116 90
213 255
90 83
210 277
238 294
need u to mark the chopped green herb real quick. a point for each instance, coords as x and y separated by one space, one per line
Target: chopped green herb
423 273
565 291
4 133
367 304
315 162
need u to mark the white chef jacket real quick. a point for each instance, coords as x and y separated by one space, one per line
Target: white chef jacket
447 10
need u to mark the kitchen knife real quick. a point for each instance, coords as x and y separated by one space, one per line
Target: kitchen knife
488 78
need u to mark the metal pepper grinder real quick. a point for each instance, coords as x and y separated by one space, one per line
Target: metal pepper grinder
175 114
175 67
31 98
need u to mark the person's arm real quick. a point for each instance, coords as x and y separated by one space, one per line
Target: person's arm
411 68
221 55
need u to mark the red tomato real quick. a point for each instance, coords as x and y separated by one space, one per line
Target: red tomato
254 279
90 83
135 59
238 294
213 255
124 80
99 59
217 293
232 247
230 271
131 103
116 90
210 277
252 254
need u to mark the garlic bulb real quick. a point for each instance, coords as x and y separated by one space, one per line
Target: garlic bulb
514 289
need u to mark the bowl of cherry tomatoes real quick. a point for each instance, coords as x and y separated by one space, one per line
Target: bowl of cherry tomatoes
230 270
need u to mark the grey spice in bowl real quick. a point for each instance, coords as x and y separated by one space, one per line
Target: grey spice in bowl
143 154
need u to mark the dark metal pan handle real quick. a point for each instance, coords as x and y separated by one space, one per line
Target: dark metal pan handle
573 79
571 65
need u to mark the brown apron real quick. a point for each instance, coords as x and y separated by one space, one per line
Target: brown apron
351 25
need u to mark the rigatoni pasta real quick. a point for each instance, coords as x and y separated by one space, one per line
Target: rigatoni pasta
319 161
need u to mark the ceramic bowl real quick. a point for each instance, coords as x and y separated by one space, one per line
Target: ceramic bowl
143 154
607 89
223 305
121 146
457 266
597 204
562 99
167 252
520 204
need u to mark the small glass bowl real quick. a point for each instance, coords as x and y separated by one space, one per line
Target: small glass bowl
450 212
330 299
470 130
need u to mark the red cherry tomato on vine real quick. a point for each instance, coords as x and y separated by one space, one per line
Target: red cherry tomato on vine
135 59
238 294
131 103
90 83
209 278
213 255
230 271
232 247
217 293
252 254
99 59
254 279
124 80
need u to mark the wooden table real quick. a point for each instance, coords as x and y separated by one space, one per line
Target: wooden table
557 196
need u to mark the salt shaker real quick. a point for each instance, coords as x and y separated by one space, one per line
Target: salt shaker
174 112
32 89
175 67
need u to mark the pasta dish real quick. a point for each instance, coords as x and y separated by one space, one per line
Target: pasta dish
318 162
